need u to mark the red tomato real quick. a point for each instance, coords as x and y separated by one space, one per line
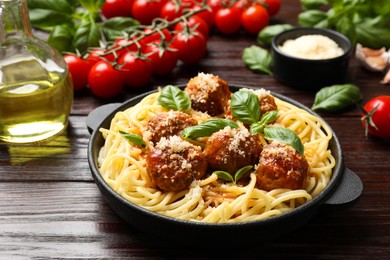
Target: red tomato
206 15
78 69
146 10
227 20
273 6
191 46
99 54
215 5
115 8
254 18
163 58
241 5
125 44
196 23
135 71
170 11
155 36
104 80
376 118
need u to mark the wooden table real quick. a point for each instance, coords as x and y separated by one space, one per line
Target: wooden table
51 208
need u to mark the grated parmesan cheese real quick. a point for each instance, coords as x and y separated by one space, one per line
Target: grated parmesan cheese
175 143
312 47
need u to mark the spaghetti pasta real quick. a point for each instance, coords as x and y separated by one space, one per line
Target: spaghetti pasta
123 166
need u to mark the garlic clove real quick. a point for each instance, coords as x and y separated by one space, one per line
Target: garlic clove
386 79
374 60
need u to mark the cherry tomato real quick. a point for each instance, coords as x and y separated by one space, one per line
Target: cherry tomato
135 71
146 10
227 20
206 15
126 46
241 5
215 5
170 11
115 8
78 69
163 58
191 46
273 6
155 36
376 118
104 80
194 22
254 18
99 54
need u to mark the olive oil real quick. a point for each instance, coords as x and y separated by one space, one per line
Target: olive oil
34 102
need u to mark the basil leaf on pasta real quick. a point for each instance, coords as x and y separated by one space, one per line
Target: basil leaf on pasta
174 98
245 106
224 175
284 135
267 118
133 138
207 128
241 172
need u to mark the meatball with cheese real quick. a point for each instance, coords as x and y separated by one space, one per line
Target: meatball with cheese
208 93
173 164
231 149
166 124
281 166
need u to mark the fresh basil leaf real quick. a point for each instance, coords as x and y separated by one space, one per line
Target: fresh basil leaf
47 18
257 59
313 4
313 18
266 119
172 97
337 97
133 138
347 27
241 172
373 34
245 106
114 27
266 35
61 38
284 135
60 6
224 175
207 128
87 34
92 6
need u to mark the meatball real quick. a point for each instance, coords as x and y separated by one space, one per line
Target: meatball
267 103
281 166
167 124
231 149
208 93
174 163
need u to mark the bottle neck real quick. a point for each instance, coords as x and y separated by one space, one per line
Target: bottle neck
14 19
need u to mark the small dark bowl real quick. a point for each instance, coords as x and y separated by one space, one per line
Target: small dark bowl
343 190
310 74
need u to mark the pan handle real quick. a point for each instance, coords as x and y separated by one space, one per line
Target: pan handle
347 192
97 115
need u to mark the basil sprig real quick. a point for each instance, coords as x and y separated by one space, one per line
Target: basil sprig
257 59
223 175
267 118
362 21
207 128
337 97
133 138
174 98
245 106
284 135
76 24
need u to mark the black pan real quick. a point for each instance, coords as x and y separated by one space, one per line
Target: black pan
344 189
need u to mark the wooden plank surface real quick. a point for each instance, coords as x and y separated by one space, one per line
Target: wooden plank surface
51 208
